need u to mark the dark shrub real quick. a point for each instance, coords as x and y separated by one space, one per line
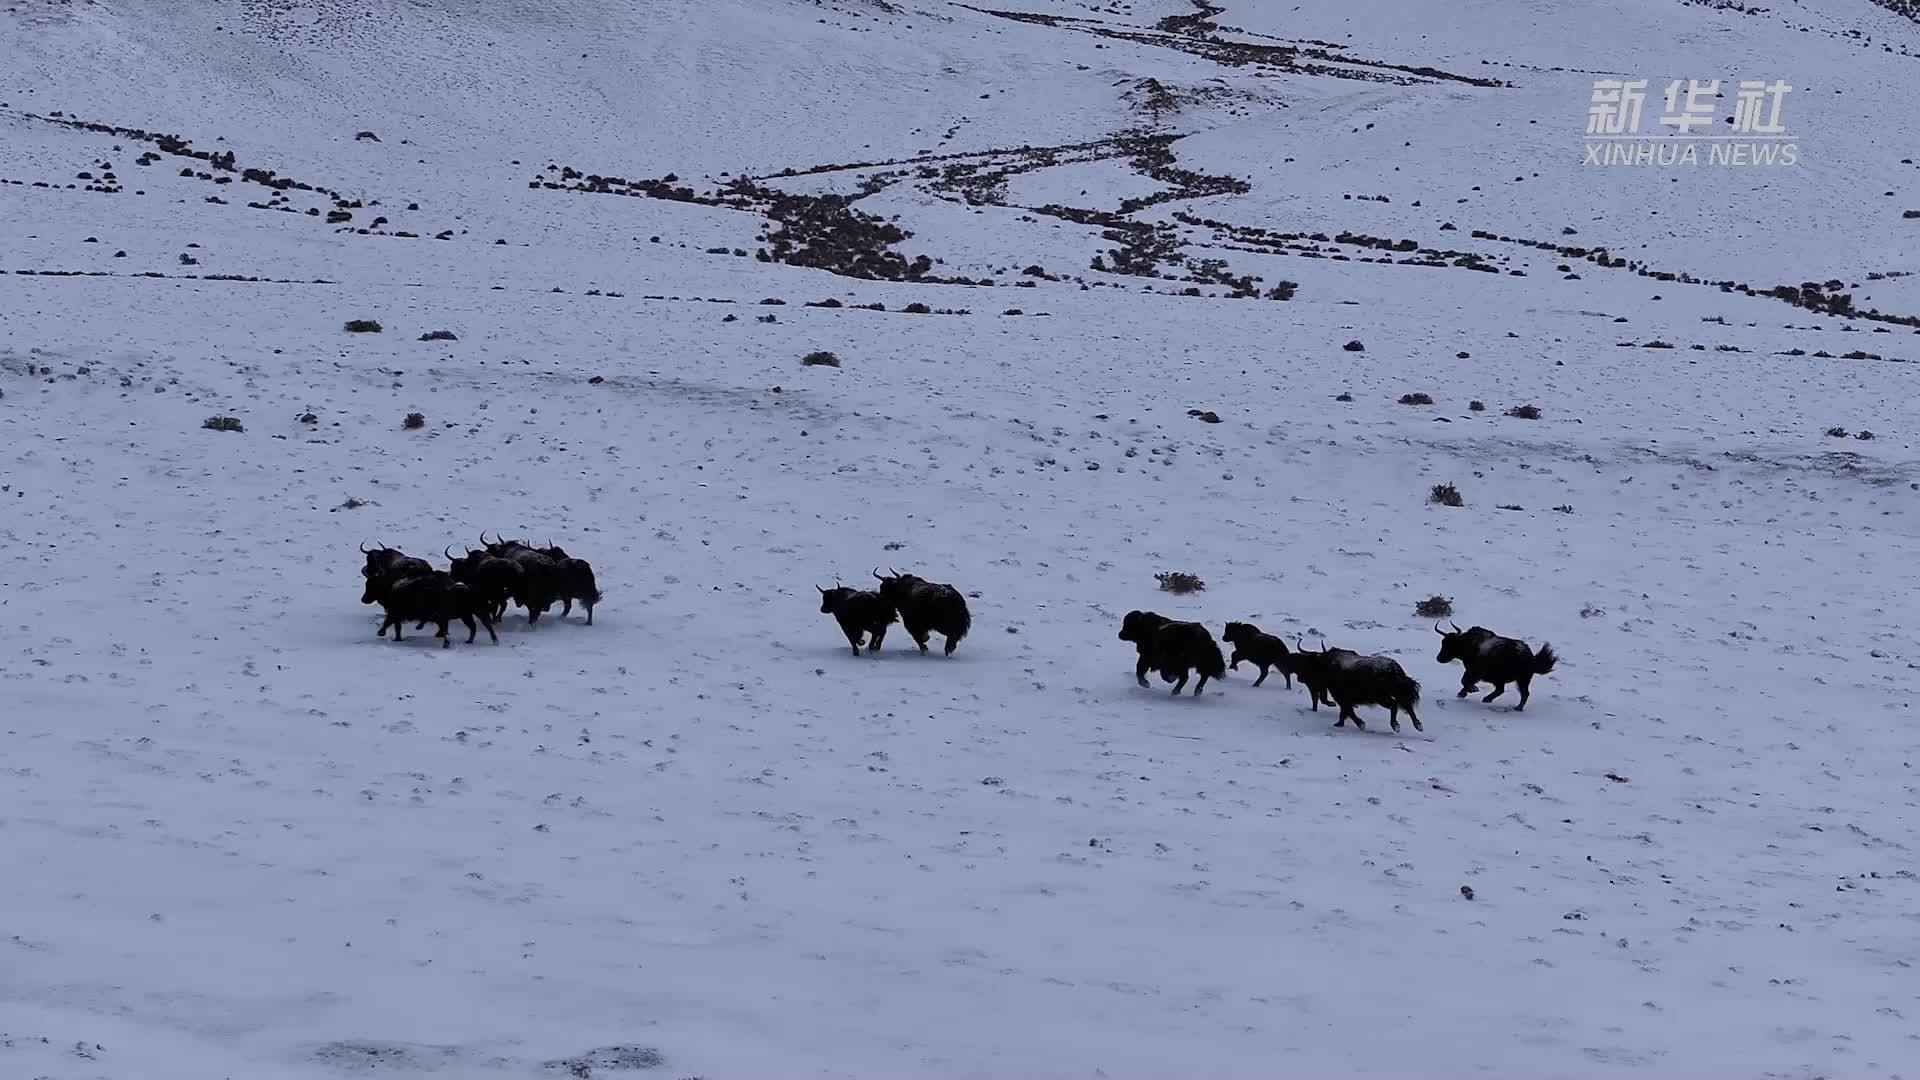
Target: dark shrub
1524 412
1832 432
1343 397
1415 399
1434 607
1445 495
363 326
438 335
820 359
414 422
1175 582
223 423
1354 346
1864 435
917 309
1476 406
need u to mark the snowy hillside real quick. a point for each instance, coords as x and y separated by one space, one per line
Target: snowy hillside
1051 246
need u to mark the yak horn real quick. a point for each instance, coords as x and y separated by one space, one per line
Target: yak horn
1437 630
447 553
876 574
823 592
483 539
363 548
1456 627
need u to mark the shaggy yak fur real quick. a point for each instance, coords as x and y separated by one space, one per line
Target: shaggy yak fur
1174 649
860 615
1352 680
1488 657
385 566
493 579
1262 650
926 608
1314 670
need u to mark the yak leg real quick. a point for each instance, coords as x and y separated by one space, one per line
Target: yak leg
473 630
1199 686
589 608
1393 717
854 637
1140 672
1234 664
1182 683
1468 684
1522 683
874 638
1263 675
1347 713
1416 719
1498 689
1313 696
488 623
951 645
566 606
382 632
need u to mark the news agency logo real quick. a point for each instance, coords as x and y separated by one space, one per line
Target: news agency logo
1686 134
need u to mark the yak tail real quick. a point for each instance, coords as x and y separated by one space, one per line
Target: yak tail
961 627
1544 660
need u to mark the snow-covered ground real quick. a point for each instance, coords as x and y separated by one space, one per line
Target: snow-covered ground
242 837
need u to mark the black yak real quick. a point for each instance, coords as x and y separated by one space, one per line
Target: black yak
927 608
540 583
1488 657
1314 670
385 566
573 580
860 614
435 597
1174 649
1262 650
1350 679
493 579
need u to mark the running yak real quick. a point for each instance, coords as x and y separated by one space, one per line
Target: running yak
926 608
1488 657
1174 649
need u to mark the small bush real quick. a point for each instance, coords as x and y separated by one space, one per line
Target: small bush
414 422
1445 495
1658 345
438 335
1013 311
1524 412
1343 396
1462 355
917 309
1565 508
363 326
1864 435
1415 399
223 423
1434 607
820 359
1354 346
1832 432
1175 582
1476 406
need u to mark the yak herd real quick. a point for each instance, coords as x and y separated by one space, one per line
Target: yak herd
1340 678
478 586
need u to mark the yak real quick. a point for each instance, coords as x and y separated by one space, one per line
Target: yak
1174 649
1314 670
573 580
540 583
435 597
385 566
1488 657
1263 650
860 614
1350 679
493 579
926 608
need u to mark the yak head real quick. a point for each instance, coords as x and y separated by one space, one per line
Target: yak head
1138 626
379 559
554 552
500 546
832 599
1238 632
1458 644
897 586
